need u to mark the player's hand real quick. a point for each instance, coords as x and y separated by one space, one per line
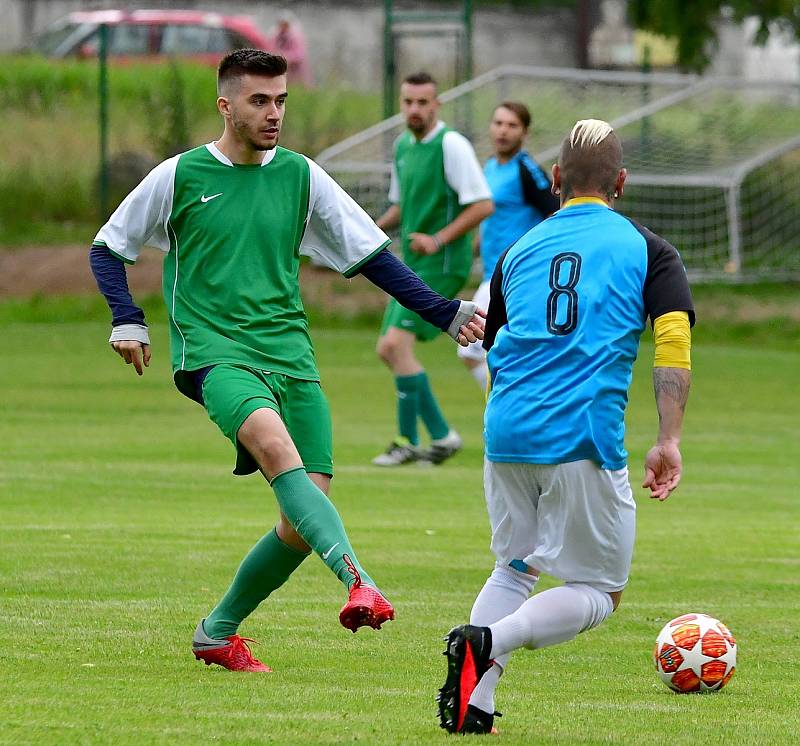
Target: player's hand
662 470
133 353
473 330
422 243
467 325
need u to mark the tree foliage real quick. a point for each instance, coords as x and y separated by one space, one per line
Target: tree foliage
693 22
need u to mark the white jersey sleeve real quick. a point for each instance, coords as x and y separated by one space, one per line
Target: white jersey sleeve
141 219
462 171
339 234
394 185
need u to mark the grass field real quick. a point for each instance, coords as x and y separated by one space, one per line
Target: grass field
122 525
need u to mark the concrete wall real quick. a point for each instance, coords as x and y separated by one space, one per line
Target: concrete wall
346 39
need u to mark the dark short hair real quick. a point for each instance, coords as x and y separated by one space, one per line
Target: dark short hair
249 62
420 78
519 109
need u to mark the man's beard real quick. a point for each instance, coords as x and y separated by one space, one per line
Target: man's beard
419 126
244 133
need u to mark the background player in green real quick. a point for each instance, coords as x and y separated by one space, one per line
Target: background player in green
232 218
438 195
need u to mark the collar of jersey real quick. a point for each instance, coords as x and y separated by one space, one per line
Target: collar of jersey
438 127
584 201
222 158
514 158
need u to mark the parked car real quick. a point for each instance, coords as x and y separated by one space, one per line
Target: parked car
205 37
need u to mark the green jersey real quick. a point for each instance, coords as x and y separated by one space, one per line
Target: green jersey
233 235
433 179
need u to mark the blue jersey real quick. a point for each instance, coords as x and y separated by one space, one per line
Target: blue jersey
522 198
569 303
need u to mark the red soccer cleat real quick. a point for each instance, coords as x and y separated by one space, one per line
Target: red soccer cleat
232 653
366 607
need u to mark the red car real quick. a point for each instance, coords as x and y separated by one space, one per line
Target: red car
205 37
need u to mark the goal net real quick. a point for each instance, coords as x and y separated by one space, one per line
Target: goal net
714 163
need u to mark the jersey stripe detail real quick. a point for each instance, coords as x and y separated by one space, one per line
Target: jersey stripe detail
171 231
351 272
584 201
104 245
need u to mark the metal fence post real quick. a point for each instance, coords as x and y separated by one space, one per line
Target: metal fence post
103 119
732 197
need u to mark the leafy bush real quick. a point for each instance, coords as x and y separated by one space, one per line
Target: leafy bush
50 151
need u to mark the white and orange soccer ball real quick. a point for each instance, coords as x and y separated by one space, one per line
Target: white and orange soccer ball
695 653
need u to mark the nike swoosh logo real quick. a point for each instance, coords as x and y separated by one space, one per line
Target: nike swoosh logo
327 554
208 199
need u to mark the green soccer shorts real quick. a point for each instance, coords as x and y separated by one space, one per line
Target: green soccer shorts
396 315
231 393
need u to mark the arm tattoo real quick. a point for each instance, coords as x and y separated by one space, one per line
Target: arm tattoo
672 383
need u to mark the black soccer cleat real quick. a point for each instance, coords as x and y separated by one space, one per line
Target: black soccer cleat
442 449
479 722
468 658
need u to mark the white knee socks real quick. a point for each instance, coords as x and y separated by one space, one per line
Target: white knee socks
553 616
481 374
503 593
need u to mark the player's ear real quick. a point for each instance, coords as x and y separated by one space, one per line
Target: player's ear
556 186
619 186
223 107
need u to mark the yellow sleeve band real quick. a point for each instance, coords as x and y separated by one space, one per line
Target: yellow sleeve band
673 340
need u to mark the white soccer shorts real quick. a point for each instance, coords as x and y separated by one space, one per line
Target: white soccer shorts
573 521
475 350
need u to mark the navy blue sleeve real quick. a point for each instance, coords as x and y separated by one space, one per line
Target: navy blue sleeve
109 273
536 187
388 273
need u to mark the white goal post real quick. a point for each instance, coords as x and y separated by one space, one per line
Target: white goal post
714 163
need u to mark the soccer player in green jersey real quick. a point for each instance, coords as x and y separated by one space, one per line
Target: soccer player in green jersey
438 194
232 218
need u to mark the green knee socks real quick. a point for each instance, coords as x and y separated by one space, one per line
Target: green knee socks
415 398
266 567
407 407
315 518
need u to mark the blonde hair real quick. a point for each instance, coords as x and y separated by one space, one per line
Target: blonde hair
590 158
589 132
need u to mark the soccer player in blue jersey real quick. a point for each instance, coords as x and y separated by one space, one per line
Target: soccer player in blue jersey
569 303
522 199
232 218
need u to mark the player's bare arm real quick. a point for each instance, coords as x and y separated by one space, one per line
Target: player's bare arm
390 219
469 218
663 461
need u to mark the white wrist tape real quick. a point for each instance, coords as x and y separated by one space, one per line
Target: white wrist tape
130 333
465 312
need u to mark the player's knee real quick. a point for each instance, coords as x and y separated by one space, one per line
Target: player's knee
383 350
273 451
388 351
287 534
599 604
514 578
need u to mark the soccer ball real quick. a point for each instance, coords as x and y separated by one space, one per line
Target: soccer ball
695 653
